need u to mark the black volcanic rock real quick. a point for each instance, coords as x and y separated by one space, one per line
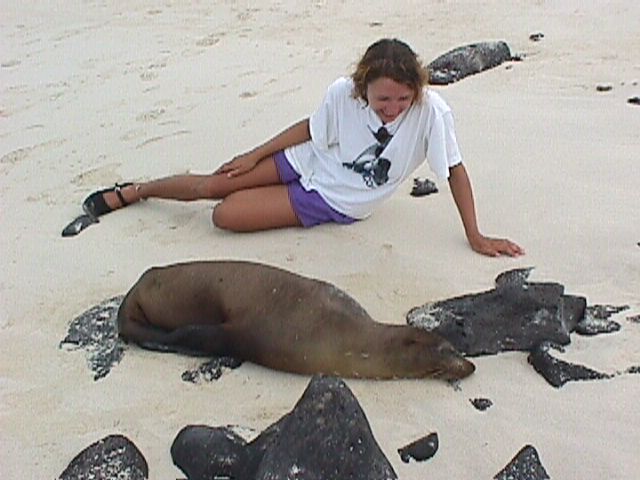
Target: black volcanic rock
558 372
326 435
96 332
113 457
525 465
467 60
515 315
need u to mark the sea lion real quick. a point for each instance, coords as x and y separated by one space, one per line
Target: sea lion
278 319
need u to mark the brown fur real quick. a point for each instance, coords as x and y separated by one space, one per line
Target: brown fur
277 319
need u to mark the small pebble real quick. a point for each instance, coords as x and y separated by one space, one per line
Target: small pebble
634 318
481 404
604 87
422 449
422 187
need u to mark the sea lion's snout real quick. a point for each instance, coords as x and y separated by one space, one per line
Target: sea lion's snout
455 366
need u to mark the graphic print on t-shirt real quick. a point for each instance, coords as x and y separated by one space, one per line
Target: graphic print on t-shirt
373 167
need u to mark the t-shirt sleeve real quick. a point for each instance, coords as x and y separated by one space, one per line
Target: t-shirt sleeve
442 146
323 123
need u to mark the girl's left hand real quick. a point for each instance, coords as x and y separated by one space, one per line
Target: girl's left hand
238 165
494 247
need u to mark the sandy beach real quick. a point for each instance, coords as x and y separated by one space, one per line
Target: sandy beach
99 92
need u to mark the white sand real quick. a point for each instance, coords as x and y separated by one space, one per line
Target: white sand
94 93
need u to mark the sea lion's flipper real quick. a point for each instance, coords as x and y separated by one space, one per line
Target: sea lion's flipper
193 340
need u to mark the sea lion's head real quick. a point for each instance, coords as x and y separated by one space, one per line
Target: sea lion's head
454 365
421 353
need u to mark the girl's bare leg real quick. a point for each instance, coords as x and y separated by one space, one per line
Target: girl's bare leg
253 209
253 201
191 187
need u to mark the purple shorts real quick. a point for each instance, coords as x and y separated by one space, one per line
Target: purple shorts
310 207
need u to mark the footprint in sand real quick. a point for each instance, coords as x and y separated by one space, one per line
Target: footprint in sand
148 75
10 63
20 154
15 156
103 175
42 198
151 115
162 137
151 71
208 41
133 134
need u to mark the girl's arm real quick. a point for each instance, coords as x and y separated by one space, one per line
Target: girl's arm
463 196
295 134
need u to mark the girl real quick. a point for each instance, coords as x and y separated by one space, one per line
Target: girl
370 133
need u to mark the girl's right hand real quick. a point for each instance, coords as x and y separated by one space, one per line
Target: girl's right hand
238 165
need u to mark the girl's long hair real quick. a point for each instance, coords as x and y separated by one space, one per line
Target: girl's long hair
394 59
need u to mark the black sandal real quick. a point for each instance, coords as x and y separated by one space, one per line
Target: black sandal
95 206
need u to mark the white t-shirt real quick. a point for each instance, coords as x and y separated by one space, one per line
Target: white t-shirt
340 162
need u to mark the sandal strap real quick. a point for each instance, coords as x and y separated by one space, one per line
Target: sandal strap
118 190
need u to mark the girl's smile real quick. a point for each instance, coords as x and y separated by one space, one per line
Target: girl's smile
389 98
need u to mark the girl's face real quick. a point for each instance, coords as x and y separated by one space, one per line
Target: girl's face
389 98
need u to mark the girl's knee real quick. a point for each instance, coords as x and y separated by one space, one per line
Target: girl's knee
222 217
